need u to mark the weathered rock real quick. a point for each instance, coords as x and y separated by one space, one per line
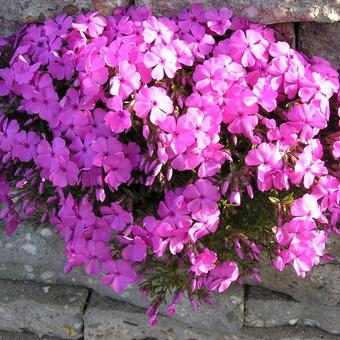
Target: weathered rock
285 32
320 286
264 308
41 309
4 335
283 333
109 319
320 39
24 11
262 11
38 254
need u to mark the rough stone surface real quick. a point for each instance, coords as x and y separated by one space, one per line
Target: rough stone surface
263 11
41 309
285 32
320 286
109 319
264 308
14 12
320 39
38 254
4 335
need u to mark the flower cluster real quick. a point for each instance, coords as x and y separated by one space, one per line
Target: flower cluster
170 153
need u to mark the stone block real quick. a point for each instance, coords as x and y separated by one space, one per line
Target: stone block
320 39
264 308
42 309
261 11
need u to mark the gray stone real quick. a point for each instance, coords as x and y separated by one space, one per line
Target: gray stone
109 319
283 333
320 286
285 32
34 254
320 39
28 306
25 11
264 308
262 11
4 335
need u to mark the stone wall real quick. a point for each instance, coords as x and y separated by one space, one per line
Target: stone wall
72 306
314 24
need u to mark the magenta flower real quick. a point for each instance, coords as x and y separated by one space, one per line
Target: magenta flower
119 119
82 152
218 20
119 275
181 134
307 207
223 276
135 250
204 262
26 145
158 30
57 27
247 47
127 80
201 196
90 23
8 134
163 60
23 71
155 101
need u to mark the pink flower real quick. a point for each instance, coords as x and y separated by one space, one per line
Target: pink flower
201 196
218 20
127 80
135 250
240 111
155 101
247 47
25 146
57 27
181 134
162 59
307 207
158 30
119 119
90 23
119 275
307 169
223 276
203 262
23 71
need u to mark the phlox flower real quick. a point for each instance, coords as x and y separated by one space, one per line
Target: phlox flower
118 119
126 81
25 145
180 132
158 30
155 101
23 70
247 47
203 262
218 20
90 23
57 27
118 275
201 196
306 207
223 275
163 60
